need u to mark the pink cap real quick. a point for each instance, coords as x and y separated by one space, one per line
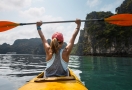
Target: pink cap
58 36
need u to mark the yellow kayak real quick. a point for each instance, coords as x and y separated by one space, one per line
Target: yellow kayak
54 83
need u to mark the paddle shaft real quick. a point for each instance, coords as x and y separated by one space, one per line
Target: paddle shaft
63 21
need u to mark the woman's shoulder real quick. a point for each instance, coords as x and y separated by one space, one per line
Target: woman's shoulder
65 51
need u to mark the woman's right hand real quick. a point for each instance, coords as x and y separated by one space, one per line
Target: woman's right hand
39 23
78 22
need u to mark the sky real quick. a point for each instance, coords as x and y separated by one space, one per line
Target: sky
30 11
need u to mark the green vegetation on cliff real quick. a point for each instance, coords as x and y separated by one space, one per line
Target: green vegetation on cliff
125 7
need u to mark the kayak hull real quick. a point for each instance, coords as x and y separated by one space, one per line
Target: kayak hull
54 83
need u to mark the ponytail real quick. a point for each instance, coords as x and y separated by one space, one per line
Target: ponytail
54 45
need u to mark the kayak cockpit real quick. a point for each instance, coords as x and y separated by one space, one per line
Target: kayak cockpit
70 82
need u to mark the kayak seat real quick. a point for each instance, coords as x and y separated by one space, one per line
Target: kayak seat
53 79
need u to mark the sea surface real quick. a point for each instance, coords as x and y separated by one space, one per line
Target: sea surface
97 73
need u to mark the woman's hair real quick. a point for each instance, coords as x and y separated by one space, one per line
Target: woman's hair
54 45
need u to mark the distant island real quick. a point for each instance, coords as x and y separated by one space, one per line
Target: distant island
25 46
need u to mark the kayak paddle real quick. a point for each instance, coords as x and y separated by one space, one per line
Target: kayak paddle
118 19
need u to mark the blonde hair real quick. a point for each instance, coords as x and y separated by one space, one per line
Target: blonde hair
54 45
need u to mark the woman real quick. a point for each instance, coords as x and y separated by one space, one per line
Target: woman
56 58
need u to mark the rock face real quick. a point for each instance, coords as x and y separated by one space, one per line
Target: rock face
101 38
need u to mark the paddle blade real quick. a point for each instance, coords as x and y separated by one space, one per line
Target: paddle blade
6 25
120 19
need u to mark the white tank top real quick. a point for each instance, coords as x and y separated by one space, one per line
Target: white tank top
50 62
56 66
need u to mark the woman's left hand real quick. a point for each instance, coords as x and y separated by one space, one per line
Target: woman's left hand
39 23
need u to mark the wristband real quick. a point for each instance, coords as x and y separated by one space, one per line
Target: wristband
38 28
77 28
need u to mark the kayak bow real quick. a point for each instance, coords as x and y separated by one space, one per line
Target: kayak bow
54 83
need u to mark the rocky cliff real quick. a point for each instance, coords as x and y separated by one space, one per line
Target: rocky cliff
101 38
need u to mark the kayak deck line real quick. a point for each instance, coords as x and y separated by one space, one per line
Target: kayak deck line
70 82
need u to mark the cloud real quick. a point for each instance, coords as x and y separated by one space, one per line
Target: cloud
109 7
14 4
112 6
32 12
29 31
93 3
35 14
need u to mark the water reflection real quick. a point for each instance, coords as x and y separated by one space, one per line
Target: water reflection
109 73
21 68
74 64
22 65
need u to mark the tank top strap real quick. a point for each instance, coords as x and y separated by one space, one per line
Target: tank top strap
64 63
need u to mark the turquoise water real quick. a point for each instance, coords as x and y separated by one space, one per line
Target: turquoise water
97 73
107 73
